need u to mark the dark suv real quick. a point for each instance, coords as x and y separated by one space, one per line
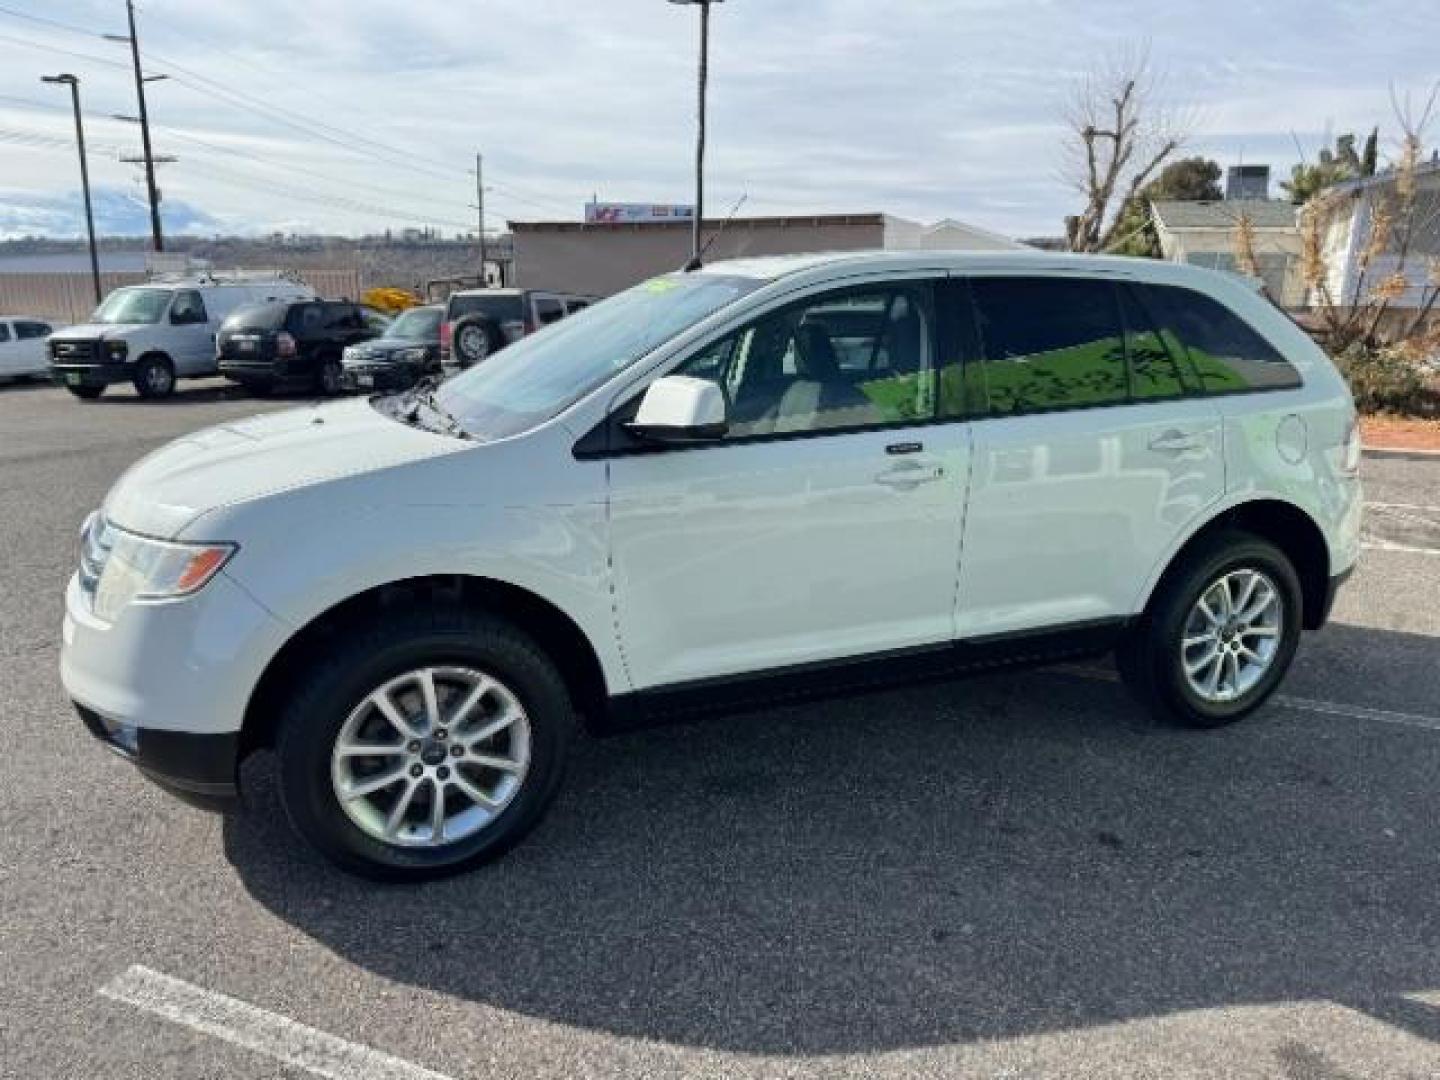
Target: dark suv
295 344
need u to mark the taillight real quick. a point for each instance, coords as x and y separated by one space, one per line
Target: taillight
284 344
445 332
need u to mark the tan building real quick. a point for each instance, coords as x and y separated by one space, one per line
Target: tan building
1203 234
603 258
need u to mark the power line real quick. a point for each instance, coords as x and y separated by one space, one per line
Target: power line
64 52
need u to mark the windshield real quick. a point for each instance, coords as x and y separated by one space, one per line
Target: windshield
417 324
256 317
538 377
133 306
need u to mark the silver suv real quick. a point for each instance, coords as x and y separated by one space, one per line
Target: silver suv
480 322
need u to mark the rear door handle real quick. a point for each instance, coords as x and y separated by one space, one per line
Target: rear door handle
911 473
1177 442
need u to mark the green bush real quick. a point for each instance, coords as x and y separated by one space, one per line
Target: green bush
1384 380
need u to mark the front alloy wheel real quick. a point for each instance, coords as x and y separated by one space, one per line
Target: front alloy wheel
431 757
425 740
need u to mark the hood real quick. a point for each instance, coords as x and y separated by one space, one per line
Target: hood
92 331
248 459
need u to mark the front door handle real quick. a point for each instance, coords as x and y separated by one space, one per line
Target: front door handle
1178 442
911 473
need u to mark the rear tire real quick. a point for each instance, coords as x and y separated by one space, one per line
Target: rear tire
327 706
86 393
475 339
1191 670
154 378
330 379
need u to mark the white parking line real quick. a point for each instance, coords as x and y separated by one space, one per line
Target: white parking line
1326 708
1408 549
256 1029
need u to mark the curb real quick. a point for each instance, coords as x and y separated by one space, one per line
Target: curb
1401 453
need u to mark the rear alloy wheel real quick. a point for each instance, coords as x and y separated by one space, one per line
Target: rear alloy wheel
475 341
430 741
1219 633
154 377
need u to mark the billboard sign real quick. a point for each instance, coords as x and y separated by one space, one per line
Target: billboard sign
609 213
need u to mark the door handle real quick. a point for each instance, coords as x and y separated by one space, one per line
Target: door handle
911 473
1177 442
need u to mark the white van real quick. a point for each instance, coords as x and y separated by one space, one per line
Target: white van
150 335
763 480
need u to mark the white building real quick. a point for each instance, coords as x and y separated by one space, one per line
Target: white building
1203 234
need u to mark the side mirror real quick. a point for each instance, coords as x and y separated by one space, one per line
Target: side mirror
681 409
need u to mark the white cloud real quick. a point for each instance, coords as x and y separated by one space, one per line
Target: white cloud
930 108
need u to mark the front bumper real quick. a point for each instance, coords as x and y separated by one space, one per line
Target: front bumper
105 374
202 770
398 376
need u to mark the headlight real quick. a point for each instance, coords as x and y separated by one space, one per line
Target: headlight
117 349
137 568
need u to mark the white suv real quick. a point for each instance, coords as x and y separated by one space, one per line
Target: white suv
763 478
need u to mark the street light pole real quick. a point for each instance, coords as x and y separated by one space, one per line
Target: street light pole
73 82
704 75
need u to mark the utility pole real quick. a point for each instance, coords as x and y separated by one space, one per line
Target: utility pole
696 225
480 212
156 235
73 81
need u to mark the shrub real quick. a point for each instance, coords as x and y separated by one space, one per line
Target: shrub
1388 379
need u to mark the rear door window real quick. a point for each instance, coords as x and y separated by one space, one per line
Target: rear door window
1227 354
1158 367
1045 343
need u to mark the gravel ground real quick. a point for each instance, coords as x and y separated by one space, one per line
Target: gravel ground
1007 877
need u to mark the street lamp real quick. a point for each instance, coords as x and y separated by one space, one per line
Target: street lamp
704 6
73 82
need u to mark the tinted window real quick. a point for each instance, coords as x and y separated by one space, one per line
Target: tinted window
505 307
31 329
188 308
576 305
4 332
417 324
1046 343
1225 352
256 317
307 318
1157 365
343 317
548 310
853 359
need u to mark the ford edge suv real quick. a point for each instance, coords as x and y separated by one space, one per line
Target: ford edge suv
797 475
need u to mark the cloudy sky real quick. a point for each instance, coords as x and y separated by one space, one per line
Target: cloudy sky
351 116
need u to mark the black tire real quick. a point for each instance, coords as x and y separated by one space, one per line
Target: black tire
154 377
1150 657
383 649
330 377
475 339
86 393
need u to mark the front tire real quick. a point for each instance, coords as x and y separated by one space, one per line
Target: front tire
331 377
86 393
470 724
154 378
1218 636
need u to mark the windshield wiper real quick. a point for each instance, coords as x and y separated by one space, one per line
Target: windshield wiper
423 394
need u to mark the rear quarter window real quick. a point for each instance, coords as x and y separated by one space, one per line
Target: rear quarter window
1227 354
501 309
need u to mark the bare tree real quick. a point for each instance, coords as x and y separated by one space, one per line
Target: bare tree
1117 136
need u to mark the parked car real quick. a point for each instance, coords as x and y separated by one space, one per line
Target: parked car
296 345
479 322
22 348
408 350
151 335
753 482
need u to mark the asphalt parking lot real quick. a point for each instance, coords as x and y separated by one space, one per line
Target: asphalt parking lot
1007 877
